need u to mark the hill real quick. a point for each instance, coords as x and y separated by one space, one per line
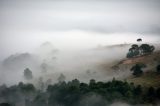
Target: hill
150 77
15 61
148 59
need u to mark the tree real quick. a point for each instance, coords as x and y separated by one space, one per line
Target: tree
61 78
151 94
41 84
28 74
158 68
92 83
48 82
139 40
136 50
27 88
135 46
137 71
5 104
137 93
146 48
133 51
158 93
75 82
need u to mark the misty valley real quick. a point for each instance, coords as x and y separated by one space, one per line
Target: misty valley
119 74
79 53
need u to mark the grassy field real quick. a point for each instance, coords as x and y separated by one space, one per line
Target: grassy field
150 77
147 79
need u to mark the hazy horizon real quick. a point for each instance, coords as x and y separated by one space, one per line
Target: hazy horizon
78 24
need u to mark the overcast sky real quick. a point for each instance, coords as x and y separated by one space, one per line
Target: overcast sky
70 23
139 16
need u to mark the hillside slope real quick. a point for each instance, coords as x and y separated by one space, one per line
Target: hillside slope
150 77
149 59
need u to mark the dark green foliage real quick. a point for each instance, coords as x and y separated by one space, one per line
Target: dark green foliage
40 100
138 90
137 71
5 104
26 88
133 51
158 93
151 94
146 48
135 46
143 49
64 94
158 68
75 93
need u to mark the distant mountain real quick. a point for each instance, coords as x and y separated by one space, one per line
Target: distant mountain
42 60
18 61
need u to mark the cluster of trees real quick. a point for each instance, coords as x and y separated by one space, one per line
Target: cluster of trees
136 50
137 69
76 93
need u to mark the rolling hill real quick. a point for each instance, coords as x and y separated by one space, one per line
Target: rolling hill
150 77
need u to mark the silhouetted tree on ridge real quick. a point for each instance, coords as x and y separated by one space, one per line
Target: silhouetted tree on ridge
28 74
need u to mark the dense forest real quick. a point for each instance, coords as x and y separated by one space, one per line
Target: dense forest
76 93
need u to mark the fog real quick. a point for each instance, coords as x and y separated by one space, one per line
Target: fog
93 61
56 40
71 37
70 40
27 24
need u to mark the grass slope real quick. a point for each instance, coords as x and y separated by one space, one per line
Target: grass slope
150 76
147 79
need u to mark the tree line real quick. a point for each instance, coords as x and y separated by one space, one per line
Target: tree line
137 50
76 93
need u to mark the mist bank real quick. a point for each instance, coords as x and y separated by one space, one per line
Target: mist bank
48 62
25 41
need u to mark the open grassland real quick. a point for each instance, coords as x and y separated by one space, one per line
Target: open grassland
147 79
